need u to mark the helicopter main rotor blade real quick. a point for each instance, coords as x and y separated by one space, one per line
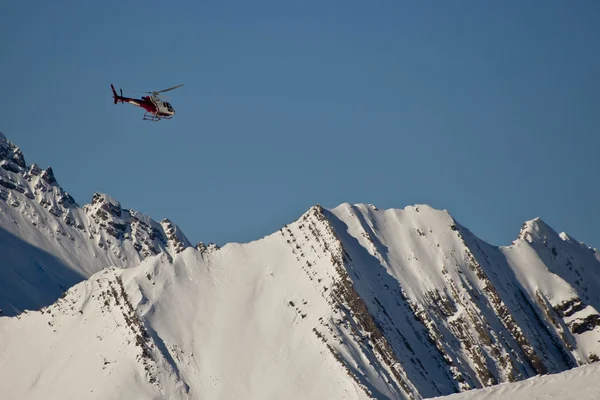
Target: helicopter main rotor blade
171 88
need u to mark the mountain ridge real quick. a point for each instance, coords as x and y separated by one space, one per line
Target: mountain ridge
396 303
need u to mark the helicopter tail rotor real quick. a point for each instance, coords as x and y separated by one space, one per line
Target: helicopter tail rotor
115 96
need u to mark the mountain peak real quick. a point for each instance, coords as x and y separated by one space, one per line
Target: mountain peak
176 239
107 203
10 152
48 176
21 184
536 229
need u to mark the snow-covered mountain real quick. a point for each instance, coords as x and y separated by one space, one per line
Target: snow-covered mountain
48 242
352 302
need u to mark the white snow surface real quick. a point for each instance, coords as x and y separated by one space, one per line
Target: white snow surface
219 328
348 303
577 384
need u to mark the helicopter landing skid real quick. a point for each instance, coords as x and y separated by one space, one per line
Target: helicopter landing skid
148 116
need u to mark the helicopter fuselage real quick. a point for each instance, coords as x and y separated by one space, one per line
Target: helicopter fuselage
155 107
151 104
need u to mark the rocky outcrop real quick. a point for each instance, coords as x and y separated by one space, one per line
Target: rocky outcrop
146 235
175 238
11 153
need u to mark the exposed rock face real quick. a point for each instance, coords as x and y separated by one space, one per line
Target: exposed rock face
146 235
10 152
175 237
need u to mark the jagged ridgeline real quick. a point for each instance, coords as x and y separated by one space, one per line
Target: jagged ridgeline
53 243
352 302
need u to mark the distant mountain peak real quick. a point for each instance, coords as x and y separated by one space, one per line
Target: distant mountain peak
10 152
36 209
106 203
35 183
536 229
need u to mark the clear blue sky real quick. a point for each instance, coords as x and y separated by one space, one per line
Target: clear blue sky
488 109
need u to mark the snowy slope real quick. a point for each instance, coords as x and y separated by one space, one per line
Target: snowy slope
49 243
353 302
217 328
88 344
579 383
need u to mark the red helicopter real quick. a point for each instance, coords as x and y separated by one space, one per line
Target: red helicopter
156 108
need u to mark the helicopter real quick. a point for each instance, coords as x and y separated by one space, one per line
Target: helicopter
156 108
